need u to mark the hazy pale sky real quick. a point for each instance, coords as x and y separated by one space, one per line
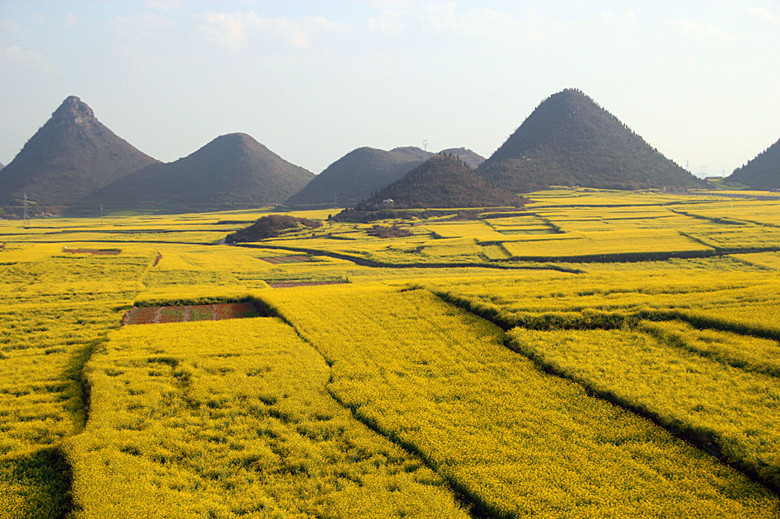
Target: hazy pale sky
313 80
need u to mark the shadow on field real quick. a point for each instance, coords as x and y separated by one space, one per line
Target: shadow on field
36 487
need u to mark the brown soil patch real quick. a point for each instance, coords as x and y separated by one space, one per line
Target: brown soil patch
276 260
187 313
100 252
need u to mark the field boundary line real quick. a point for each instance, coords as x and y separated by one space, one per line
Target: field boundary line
472 504
371 263
703 440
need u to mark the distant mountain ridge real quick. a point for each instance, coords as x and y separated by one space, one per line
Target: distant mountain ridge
76 164
570 140
233 171
761 172
443 181
67 158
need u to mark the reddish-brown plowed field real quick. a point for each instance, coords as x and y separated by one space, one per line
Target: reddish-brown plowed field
177 314
288 284
276 260
102 252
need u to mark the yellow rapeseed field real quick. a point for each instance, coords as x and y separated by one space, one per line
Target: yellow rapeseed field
596 354
517 441
232 419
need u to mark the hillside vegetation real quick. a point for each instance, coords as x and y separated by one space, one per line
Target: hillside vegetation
761 172
568 140
467 156
441 181
271 226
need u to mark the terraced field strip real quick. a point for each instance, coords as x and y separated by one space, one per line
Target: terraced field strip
723 409
291 284
513 439
57 311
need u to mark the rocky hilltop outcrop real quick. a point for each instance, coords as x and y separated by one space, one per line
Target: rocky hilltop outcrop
69 157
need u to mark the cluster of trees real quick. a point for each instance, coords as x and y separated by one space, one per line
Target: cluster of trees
269 227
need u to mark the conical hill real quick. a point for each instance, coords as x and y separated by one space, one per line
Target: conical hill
570 140
443 181
357 175
233 171
762 172
69 157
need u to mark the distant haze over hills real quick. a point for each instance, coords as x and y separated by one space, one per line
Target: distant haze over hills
570 140
356 176
361 172
76 165
762 172
442 181
233 171
70 156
